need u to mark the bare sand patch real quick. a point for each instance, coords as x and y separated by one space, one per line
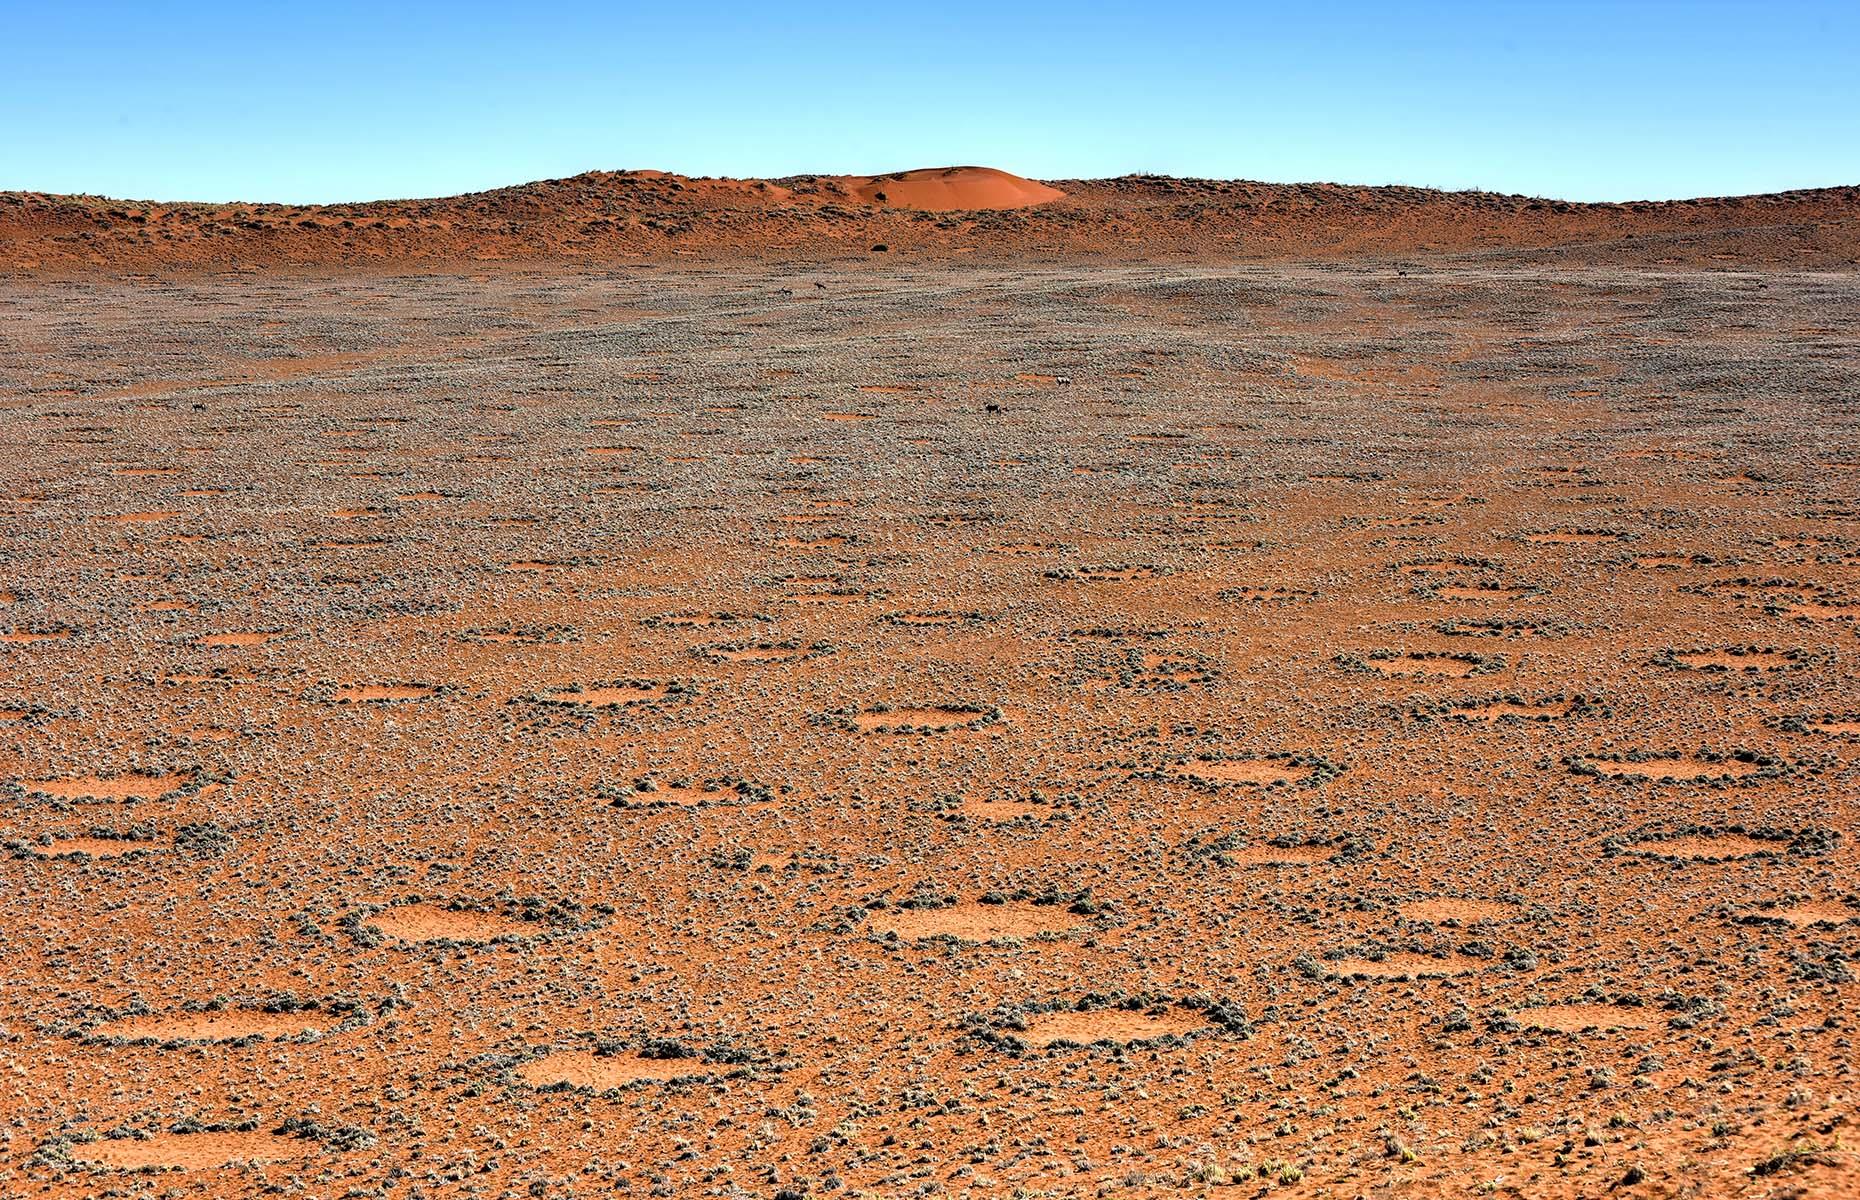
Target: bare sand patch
601 1072
106 787
1402 965
192 1151
95 847
935 719
1002 811
236 638
1841 726
435 922
26 637
1575 1018
1810 913
949 189
1262 772
1108 1025
168 606
976 922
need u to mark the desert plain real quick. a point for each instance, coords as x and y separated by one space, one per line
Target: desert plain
811 689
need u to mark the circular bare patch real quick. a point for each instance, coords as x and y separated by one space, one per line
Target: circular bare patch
93 847
1679 767
1805 914
238 638
1418 663
930 718
27 637
605 1072
1265 854
1262 772
976 922
191 1151
1445 910
127 786
423 922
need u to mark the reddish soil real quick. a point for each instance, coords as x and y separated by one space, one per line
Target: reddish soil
634 216
1324 725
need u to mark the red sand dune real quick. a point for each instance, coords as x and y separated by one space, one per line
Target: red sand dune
952 189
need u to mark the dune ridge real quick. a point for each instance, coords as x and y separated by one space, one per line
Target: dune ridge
604 216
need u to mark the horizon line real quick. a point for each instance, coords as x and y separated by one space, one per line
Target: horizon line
799 175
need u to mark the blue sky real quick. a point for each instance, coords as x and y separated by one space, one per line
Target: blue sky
345 101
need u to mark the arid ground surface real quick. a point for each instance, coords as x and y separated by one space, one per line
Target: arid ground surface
893 728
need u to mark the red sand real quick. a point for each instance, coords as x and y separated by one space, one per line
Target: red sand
601 217
952 189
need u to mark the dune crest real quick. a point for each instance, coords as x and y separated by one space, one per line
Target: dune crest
952 189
